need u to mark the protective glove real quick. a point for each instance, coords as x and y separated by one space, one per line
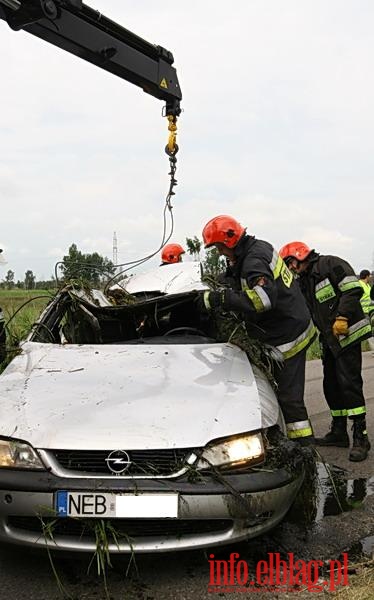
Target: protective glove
208 300
226 280
340 327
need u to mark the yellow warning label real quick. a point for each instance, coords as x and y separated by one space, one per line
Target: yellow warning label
164 83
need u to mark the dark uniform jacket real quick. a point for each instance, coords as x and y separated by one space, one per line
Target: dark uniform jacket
267 295
332 289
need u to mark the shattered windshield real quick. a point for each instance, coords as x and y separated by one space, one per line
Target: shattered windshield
76 318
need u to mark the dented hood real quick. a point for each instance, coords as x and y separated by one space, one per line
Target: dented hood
131 396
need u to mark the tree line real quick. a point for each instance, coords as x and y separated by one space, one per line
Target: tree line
94 269
212 262
28 283
91 269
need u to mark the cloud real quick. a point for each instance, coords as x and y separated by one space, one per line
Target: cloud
56 252
277 130
328 241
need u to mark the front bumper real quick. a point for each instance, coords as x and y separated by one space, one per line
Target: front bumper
210 513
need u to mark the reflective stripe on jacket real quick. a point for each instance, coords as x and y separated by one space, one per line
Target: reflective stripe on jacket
267 295
302 341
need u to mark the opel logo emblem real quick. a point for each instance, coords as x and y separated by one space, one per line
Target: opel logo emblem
118 461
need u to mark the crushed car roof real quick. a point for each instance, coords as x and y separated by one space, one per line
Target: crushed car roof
174 278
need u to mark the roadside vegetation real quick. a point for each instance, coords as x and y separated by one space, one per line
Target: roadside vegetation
314 350
12 300
361 582
21 310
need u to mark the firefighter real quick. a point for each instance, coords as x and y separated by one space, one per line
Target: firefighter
366 302
171 253
264 291
333 293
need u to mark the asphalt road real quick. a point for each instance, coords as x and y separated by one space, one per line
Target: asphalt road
320 415
27 575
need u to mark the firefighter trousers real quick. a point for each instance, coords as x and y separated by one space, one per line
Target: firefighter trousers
342 381
290 378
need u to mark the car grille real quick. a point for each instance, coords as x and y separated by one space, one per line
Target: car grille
125 528
144 462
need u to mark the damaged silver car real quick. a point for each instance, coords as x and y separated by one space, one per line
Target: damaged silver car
133 413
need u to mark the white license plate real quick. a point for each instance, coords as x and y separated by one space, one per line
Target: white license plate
129 506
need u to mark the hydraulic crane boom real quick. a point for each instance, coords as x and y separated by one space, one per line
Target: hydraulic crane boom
85 32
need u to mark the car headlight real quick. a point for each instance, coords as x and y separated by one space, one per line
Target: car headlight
241 451
18 455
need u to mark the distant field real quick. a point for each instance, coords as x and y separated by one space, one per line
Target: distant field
12 300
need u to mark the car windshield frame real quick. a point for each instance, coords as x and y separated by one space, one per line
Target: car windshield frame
80 318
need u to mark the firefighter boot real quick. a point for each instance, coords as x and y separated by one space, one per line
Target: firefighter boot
337 436
361 444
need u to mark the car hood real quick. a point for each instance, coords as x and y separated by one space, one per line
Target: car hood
131 396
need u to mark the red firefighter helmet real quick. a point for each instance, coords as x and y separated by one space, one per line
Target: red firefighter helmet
171 253
222 229
297 250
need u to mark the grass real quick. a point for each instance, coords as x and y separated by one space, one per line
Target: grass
19 319
12 300
104 533
314 350
361 583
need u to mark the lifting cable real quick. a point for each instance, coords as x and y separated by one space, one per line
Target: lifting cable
171 150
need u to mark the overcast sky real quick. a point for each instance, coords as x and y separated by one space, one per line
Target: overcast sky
277 130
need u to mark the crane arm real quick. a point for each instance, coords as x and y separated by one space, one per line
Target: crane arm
85 32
